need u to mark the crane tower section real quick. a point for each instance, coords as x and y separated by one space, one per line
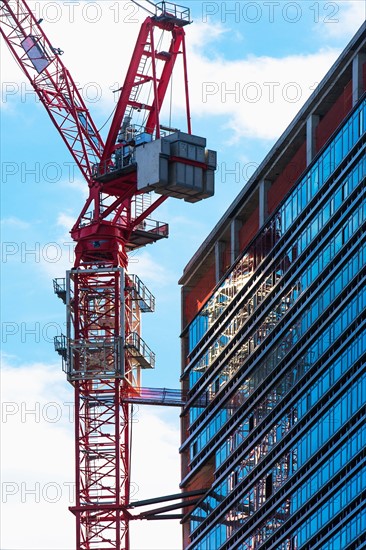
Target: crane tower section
103 355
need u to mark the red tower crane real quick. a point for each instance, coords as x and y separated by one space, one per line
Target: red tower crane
103 352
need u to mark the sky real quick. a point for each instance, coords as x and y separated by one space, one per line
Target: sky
252 65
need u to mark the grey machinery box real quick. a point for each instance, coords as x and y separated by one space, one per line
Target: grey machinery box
159 167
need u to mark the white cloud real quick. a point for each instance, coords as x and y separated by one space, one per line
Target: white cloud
66 221
142 263
201 34
38 462
14 222
56 256
24 245
156 471
36 457
74 185
259 96
340 19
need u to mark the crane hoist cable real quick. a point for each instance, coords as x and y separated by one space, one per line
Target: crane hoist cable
110 116
170 102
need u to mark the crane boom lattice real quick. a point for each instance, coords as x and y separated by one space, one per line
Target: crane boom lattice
52 82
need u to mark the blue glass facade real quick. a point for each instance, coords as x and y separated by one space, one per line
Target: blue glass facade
275 373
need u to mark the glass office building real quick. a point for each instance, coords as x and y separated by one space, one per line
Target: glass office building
274 341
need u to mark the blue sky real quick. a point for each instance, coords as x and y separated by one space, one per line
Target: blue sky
252 65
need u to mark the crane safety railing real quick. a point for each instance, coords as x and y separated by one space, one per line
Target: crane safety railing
165 9
59 287
173 10
147 225
140 350
141 294
60 344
